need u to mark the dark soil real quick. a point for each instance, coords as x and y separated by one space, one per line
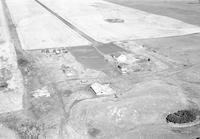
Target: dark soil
94 132
116 20
22 62
182 116
3 85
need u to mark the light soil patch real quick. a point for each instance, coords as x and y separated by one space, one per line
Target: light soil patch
39 29
6 133
91 17
11 89
186 11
